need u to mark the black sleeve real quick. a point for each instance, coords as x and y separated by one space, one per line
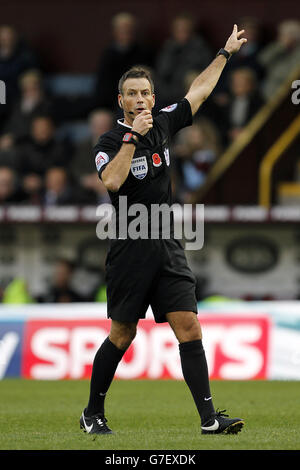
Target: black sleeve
104 151
176 116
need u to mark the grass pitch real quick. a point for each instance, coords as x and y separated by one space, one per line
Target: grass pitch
44 415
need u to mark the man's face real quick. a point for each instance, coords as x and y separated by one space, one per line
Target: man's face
100 122
6 183
56 180
242 83
42 130
182 30
136 97
8 37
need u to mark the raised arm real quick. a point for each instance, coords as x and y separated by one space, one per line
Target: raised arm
204 84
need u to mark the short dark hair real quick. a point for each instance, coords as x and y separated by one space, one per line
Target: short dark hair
138 71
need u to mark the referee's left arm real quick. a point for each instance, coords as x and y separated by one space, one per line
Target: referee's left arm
204 84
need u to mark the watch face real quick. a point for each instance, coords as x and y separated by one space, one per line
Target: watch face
127 137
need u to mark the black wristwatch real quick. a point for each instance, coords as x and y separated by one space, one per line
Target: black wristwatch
224 53
128 139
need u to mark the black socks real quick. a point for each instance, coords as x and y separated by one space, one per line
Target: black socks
194 368
195 373
105 364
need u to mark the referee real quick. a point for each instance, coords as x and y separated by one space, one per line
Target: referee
133 161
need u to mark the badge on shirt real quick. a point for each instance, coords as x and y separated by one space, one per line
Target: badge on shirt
139 167
167 156
156 160
100 159
170 108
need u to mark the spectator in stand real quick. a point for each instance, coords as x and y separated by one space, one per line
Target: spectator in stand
196 149
183 51
15 58
83 165
248 57
32 102
40 153
17 292
245 57
123 52
32 187
9 190
95 189
281 56
59 189
61 290
8 152
243 103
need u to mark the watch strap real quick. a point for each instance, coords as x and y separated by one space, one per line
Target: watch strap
140 136
224 53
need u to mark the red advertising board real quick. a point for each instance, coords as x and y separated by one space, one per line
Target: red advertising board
237 347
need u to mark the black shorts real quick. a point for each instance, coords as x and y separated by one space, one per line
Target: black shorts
140 273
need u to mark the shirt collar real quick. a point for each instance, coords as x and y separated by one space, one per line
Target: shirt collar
121 122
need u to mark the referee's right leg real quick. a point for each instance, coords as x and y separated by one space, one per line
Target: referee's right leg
122 333
106 362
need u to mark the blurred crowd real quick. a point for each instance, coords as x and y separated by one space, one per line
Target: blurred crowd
59 287
46 158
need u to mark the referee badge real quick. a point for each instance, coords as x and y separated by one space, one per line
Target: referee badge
139 167
170 108
156 160
100 159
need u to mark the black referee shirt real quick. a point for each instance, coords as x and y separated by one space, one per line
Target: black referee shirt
148 181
